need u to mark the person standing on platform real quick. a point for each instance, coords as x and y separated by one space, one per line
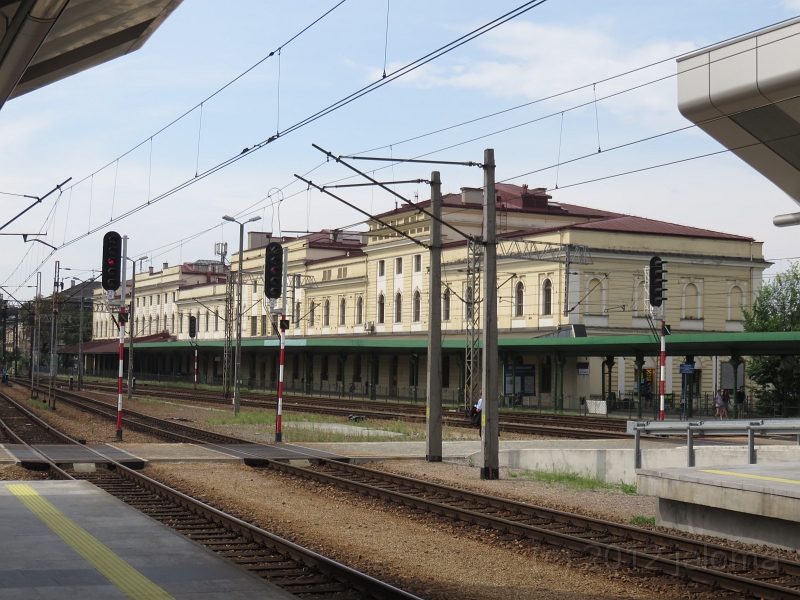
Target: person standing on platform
475 415
740 401
718 405
726 401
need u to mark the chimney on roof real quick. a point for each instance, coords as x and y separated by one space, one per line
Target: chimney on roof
258 239
72 283
536 198
165 266
150 270
471 195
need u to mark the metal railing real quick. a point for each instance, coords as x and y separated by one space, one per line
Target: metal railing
692 428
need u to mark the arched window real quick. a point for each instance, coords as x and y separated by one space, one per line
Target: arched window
172 323
311 314
359 310
735 303
297 309
342 311
594 297
398 307
381 309
216 319
446 305
519 300
326 313
690 302
158 321
417 308
150 325
547 297
208 319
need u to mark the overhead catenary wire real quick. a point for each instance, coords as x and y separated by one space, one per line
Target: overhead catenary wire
402 71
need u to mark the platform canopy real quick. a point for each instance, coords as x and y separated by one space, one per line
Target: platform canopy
42 41
745 93
696 344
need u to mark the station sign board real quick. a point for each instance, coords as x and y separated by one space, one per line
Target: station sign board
519 379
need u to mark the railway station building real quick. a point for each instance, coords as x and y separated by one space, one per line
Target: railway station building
358 301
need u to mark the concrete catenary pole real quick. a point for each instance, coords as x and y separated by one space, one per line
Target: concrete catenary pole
132 330
80 342
433 438
489 415
54 340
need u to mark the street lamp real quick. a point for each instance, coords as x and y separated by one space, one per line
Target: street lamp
238 363
132 323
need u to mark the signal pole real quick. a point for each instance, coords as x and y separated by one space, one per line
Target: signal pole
284 323
658 288
54 341
122 319
663 382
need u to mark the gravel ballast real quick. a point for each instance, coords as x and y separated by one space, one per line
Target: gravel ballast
428 556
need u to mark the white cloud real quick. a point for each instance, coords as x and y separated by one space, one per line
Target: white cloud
793 5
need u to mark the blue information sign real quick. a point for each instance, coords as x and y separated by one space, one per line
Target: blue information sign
687 368
519 379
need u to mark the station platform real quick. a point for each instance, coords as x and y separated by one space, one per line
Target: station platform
138 456
756 504
69 539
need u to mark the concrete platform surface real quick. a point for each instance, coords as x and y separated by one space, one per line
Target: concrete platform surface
69 539
176 453
758 503
5 456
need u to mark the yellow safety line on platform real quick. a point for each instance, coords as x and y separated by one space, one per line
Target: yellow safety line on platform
117 571
748 476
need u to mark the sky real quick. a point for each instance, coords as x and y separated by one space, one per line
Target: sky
105 127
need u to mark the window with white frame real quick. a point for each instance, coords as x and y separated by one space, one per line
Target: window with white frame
342 312
417 263
416 309
359 310
398 307
326 313
547 298
446 305
398 266
519 299
381 268
381 309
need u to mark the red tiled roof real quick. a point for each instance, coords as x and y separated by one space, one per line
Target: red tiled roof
630 224
112 346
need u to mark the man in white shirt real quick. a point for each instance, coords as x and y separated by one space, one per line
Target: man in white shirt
479 405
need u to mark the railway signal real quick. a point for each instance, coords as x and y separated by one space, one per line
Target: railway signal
658 281
112 259
274 270
192 326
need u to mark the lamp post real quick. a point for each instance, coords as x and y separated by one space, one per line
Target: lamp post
132 331
238 362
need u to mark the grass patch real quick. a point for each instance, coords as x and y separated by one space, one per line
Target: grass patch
627 488
642 521
572 480
38 404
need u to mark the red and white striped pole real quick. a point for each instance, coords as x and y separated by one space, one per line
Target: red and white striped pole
122 319
278 423
195 367
662 383
279 409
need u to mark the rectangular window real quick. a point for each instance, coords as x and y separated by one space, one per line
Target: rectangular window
165 298
341 273
381 268
174 296
158 299
137 303
445 371
216 319
398 266
180 322
253 325
417 263
326 275
208 320
151 301
264 329
255 288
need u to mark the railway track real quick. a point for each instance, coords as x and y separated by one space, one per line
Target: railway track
548 425
699 566
297 570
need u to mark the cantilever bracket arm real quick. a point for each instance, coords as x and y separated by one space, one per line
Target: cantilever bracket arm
363 212
38 201
392 192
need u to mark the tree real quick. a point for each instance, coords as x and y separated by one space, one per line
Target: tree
776 308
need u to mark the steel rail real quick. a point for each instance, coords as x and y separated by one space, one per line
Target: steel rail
366 585
596 538
563 426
